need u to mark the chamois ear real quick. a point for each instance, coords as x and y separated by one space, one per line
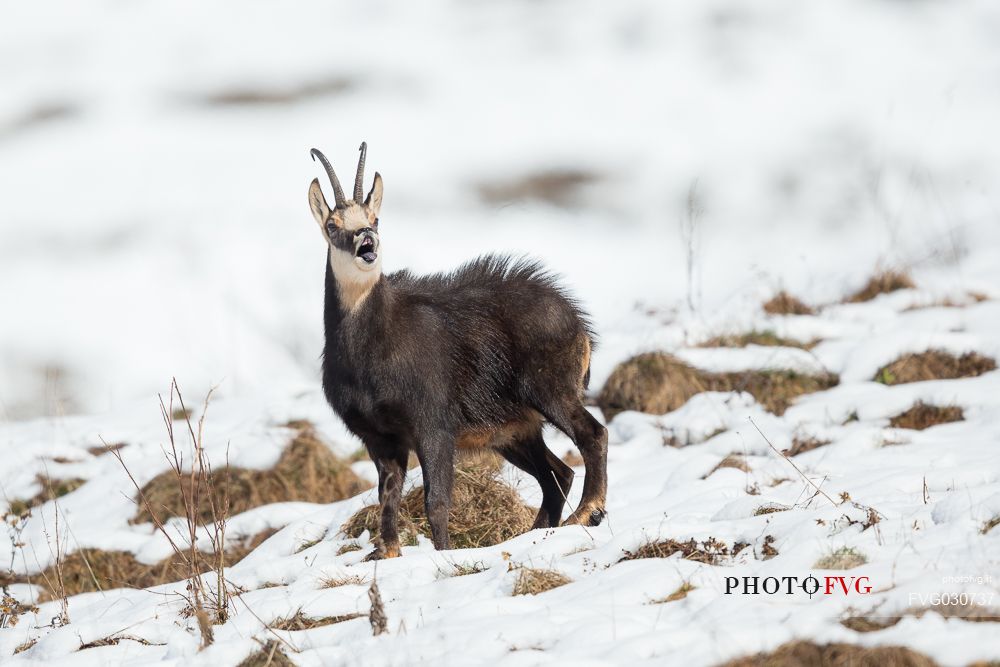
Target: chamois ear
374 200
317 203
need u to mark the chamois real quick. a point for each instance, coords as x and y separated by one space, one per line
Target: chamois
480 357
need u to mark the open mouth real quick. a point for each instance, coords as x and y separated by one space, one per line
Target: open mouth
366 250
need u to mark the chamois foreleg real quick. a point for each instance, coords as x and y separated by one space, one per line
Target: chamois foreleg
391 475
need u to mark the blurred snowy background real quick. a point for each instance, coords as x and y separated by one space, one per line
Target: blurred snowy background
676 156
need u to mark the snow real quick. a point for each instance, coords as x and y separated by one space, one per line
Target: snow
148 234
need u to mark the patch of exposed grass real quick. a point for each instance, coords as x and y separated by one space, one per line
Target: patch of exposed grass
50 489
802 653
25 645
307 471
883 282
934 365
922 416
679 594
101 450
770 509
299 621
784 303
342 580
463 569
710 551
558 187
968 612
348 548
278 96
532 581
270 655
804 443
737 461
844 558
990 525
765 338
484 511
657 383
88 570
113 640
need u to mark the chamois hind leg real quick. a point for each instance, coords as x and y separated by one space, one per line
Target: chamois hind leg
530 454
391 474
437 462
591 438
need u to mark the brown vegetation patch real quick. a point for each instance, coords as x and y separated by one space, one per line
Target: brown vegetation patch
770 509
922 416
484 511
343 580
657 383
348 548
765 338
967 612
731 461
802 444
784 303
991 524
241 97
101 450
50 490
300 621
710 551
558 187
802 653
89 570
934 365
270 655
681 593
883 282
844 558
114 640
532 581
307 471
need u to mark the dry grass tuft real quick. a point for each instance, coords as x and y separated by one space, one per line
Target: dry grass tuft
967 612
784 303
532 581
802 444
300 621
101 450
844 558
802 653
307 471
990 525
348 548
270 655
934 365
657 383
766 338
25 645
732 461
345 580
922 416
882 283
484 511
50 490
681 593
271 97
558 187
770 509
463 569
711 551
89 570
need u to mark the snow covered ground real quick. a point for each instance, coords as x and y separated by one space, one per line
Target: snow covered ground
153 223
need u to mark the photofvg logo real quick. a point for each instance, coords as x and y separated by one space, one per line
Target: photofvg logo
811 585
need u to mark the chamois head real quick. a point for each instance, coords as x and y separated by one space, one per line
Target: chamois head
350 228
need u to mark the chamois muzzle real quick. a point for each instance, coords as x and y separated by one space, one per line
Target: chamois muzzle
367 245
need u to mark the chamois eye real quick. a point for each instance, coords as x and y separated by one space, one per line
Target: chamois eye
330 227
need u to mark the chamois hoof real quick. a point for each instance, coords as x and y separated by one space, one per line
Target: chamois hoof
593 518
597 516
381 554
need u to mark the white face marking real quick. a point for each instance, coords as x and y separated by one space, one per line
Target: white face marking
355 277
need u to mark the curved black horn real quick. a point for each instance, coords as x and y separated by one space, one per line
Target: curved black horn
359 179
338 192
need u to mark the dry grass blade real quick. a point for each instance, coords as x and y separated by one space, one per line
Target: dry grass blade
376 615
532 581
679 594
791 463
299 621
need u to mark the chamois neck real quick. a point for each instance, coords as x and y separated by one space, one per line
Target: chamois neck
342 299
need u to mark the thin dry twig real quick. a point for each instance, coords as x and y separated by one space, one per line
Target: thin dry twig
792 463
